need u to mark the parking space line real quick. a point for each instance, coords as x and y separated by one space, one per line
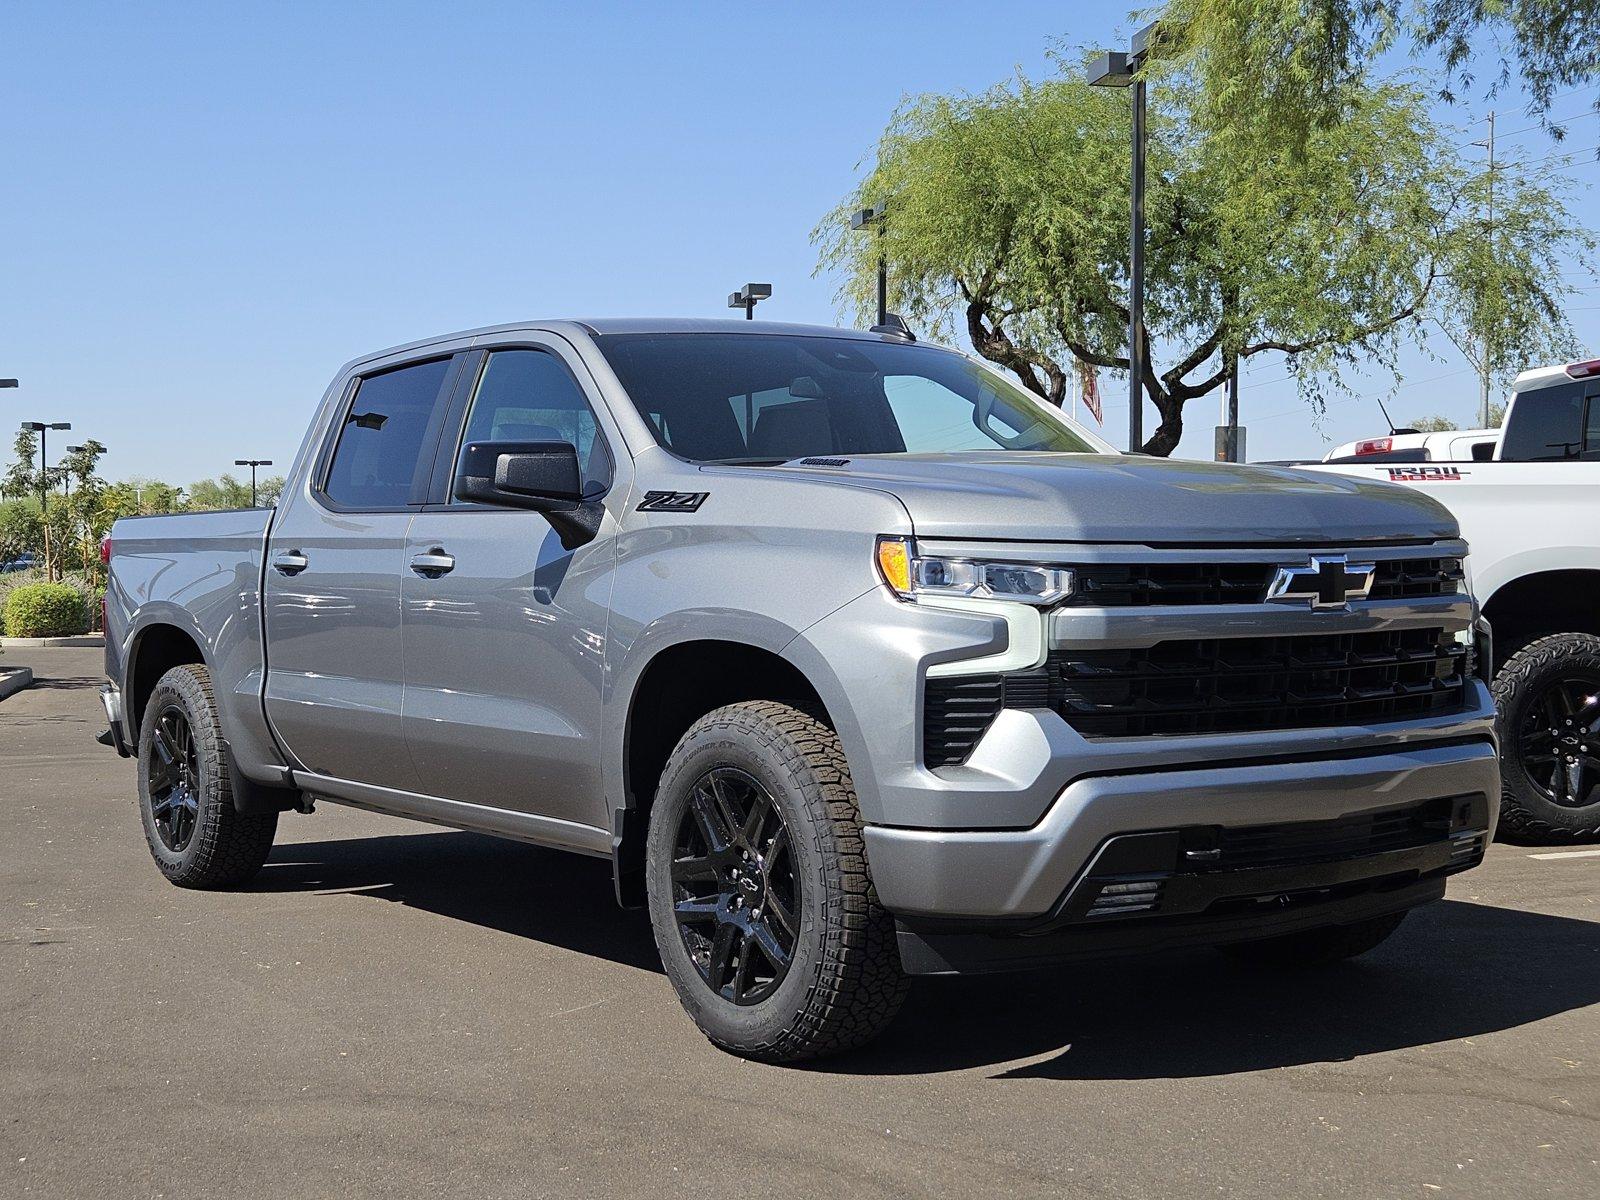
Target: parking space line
1569 854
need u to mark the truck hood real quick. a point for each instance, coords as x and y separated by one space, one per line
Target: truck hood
1112 498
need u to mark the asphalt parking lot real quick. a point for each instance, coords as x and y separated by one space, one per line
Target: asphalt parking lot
393 1009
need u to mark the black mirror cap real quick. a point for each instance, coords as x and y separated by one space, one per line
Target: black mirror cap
532 475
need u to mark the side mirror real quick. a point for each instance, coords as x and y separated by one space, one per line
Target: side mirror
536 475
541 476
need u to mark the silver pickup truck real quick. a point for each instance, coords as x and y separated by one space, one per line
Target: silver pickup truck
854 660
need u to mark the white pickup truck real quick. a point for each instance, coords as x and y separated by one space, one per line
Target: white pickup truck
1531 516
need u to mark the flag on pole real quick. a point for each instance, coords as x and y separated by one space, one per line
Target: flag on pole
1091 391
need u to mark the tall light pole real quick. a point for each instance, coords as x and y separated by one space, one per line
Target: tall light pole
874 218
1117 69
42 428
748 296
252 463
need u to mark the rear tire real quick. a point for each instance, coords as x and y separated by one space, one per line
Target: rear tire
774 940
197 836
1316 947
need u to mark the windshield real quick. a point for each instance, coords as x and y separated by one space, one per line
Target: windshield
760 397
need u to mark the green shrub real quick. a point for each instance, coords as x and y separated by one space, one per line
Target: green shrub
45 610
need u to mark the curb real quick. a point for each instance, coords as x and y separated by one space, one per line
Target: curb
85 642
13 680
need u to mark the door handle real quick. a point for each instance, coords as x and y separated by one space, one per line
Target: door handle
433 564
289 562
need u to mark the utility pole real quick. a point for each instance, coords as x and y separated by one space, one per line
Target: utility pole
1115 68
252 463
1486 366
42 428
874 218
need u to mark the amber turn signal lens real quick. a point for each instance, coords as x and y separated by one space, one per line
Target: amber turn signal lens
894 564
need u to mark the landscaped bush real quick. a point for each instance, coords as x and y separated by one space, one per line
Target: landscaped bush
45 610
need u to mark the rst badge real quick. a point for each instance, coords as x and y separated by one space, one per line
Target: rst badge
1327 581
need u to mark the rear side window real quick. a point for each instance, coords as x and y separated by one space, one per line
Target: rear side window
384 450
1546 425
529 396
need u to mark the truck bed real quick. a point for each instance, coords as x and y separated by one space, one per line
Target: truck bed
1518 518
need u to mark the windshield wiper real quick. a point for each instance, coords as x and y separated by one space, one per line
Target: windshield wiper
747 462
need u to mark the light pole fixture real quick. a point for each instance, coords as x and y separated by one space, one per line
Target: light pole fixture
748 296
42 428
875 218
1114 68
5 383
252 463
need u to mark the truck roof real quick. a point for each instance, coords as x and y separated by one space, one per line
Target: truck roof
602 326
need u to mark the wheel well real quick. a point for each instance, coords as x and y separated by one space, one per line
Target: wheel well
1547 602
158 650
679 686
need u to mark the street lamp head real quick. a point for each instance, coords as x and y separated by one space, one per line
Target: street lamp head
76 449
1110 69
750 293
61 425
34 427
5 383
867 217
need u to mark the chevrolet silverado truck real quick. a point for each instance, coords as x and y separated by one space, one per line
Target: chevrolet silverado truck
855 661
1535 569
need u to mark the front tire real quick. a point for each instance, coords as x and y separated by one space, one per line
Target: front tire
196 835
1316 947
1548 696
760 900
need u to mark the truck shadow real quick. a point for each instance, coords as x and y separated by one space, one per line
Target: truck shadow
1454 970
544 895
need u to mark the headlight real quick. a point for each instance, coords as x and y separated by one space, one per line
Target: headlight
910 575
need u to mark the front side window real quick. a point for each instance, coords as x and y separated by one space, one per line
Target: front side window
530 396
378 461
717 397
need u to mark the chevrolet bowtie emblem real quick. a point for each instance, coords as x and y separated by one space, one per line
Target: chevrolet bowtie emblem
1330 581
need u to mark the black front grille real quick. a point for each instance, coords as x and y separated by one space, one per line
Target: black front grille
1226 685
1136 585
1290 845
1249 684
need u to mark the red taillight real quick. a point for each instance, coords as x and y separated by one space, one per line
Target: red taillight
1375 446
1584 370
105 549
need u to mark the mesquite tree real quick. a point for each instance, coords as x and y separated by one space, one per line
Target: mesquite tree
1007 223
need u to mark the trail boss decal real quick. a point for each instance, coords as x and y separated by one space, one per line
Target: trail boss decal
672 501
1426 474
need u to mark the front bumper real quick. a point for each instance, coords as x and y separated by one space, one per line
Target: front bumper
1189 833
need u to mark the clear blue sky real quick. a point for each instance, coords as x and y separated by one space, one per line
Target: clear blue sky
210 207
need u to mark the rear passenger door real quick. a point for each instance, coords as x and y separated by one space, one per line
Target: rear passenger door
334 566
505 645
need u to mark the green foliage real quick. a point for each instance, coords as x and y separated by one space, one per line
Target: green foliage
45 610
1007 220
1283 68
1434 425
220 493
21 530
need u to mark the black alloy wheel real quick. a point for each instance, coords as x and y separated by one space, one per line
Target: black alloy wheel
1559 740
174 782
736 894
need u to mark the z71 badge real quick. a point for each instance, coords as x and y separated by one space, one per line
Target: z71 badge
672 501
1426 474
